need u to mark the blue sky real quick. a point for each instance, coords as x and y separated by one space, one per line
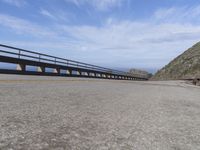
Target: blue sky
125 34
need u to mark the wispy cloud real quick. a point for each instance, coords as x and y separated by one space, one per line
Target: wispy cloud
130 43
101 5
178 14
56 15
46 13
126 34
25 27
17 3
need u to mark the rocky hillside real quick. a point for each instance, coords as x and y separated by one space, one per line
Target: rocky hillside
139 73
185 66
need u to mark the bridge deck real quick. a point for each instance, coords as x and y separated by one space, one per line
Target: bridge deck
72 68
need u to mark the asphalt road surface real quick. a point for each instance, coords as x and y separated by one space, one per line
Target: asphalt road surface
55 113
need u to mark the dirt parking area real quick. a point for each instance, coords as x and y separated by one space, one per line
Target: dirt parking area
55 113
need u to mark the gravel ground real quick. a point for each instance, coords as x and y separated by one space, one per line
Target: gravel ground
67 113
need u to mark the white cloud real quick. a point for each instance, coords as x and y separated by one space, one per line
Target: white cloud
18 3
101 5
57 15
24 27
147 44
130 42
178 14
47 14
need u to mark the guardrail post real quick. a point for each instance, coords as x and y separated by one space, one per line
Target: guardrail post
19 54
39 57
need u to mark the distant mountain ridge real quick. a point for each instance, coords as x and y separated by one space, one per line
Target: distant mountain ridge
139 73
185 66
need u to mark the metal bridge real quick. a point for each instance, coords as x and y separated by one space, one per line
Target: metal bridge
61 66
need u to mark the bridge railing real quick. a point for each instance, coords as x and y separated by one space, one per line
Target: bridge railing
40 57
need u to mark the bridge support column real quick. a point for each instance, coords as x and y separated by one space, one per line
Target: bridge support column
21 67
103 76
98 75
40 69
69 72
78 73
92 74
84 73
56 70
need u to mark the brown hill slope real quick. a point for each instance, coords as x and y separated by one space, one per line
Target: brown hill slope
185 66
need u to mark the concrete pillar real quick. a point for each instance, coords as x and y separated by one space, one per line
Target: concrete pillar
98 75
78 73
21 67
84 73
69 72
92 74
56 70
40 69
